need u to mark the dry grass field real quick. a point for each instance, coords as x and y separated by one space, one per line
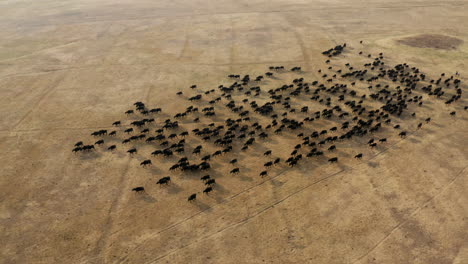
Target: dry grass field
68 68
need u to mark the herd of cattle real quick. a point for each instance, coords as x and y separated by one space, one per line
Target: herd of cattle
359 100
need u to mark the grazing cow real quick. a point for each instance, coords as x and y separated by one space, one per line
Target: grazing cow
192 197
132 151
208 190
174 167
164 180
205 178
88 147
268 164
77 149
139 189
210 182
157 152
145 162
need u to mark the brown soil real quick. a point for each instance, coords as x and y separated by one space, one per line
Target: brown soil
68 68
432 41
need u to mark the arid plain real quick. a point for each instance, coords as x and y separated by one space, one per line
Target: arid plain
68 68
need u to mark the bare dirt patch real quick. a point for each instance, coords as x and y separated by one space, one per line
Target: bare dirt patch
434 41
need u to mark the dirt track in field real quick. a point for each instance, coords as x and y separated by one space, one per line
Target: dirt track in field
68 69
